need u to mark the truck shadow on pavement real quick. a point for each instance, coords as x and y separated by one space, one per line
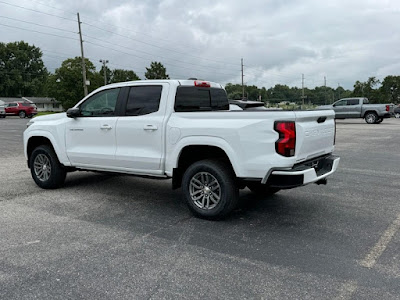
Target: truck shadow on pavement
155 198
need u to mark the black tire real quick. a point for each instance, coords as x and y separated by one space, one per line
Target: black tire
2 116
379 120
22 114
222 196
56 172
262 189
370 117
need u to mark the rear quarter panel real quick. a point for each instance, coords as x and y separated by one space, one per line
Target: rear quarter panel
248 138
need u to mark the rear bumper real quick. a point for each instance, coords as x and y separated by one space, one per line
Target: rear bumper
305 173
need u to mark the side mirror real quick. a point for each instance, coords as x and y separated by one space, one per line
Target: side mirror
73 113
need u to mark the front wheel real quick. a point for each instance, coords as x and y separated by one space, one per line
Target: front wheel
371 117
22 114
397 115
209 189
261 189
46 170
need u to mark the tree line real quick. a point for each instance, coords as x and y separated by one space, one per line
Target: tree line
23 73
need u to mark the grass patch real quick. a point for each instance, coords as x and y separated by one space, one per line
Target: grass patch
43 113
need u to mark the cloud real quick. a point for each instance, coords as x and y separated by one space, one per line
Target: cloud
278 40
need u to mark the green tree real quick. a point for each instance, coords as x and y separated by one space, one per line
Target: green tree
369 89
390 89
156 71
22 72
120 75
66 84
234 91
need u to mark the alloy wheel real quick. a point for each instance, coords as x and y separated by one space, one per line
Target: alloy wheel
42 167
205 190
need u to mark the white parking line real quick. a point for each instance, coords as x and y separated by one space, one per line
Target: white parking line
370 260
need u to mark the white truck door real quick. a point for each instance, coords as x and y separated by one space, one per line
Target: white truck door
90 138
140 132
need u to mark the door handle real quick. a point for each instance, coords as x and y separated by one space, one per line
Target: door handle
150 127
106 127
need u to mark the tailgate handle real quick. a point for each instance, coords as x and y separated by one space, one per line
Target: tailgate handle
321 119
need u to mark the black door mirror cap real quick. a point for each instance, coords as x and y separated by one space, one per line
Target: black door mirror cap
73 112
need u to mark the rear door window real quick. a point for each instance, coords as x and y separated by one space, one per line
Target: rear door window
352 102
143 100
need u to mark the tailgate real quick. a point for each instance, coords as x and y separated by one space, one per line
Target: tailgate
315 133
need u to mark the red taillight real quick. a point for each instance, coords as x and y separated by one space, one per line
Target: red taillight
199 83
286 144
387 107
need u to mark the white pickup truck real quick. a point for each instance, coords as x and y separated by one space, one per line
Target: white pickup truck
184 130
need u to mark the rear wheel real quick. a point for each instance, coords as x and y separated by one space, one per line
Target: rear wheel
46 170
370 117
209 189
262 189
22 114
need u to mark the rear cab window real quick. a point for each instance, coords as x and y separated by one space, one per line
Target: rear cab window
193 98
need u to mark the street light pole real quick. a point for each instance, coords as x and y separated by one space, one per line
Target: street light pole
104 61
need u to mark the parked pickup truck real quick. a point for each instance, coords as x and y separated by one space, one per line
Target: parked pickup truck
184 130
347 108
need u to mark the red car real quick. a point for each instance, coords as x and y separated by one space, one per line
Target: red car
21 109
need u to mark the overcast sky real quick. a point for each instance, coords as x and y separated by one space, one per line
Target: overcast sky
278 39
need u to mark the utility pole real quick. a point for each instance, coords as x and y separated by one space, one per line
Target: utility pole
242 80
302 88
85 90
325 88
104 61
338 85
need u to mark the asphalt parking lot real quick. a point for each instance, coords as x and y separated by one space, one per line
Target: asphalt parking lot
122 237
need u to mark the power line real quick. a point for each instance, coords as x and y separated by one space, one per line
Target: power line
46 26
94 26
37 11
147 53
108 24
41 32
153 45
134 55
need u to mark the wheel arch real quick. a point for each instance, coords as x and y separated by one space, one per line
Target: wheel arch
192 153
370 111
36 139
